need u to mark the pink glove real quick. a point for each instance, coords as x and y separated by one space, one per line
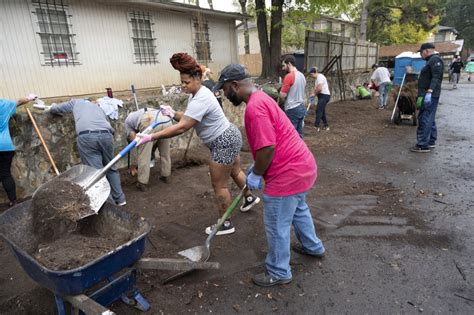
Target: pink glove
167 111
31 97
143 138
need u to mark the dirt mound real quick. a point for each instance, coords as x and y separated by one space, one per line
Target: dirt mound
56 207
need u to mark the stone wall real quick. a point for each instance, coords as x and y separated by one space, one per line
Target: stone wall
31 166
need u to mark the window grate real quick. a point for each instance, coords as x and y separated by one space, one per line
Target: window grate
143 39
202 41
55 32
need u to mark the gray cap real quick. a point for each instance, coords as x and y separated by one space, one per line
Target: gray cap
232 72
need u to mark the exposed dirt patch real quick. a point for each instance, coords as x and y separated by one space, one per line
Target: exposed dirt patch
56 207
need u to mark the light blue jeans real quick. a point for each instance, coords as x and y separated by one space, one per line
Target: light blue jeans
97 150
278 215
383 94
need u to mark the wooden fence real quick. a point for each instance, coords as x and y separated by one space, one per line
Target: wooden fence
356 55
253 62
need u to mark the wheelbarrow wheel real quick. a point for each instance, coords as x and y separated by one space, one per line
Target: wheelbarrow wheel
397 118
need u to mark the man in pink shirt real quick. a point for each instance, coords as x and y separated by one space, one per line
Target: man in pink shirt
288 168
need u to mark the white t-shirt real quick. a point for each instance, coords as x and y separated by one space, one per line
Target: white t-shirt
205 108
380 75
321 79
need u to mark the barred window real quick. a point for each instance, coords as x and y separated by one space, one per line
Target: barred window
55 32
144 48
202 42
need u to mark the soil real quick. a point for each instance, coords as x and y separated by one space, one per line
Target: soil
397 227
57 206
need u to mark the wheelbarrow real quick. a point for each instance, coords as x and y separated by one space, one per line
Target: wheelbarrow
97 284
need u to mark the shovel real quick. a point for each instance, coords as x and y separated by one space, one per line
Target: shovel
200 254
92 180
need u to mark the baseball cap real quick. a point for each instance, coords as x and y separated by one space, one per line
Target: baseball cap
313 70
232 72
426 46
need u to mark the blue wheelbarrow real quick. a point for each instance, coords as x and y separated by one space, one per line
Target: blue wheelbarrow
92 287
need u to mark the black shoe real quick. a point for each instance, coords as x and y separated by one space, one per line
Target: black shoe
165 179
265 280
298 248
227 228
249 202
142 187
418 149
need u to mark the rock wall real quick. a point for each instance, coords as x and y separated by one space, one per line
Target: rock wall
31 166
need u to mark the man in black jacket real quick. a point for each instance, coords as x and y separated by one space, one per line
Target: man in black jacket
456 67
429 90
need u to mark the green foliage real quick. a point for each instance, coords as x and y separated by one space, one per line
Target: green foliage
402 21
460 15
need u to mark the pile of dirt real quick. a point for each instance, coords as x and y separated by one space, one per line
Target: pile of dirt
57 206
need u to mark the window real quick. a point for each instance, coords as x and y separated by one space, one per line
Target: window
202 42
55 32
144 48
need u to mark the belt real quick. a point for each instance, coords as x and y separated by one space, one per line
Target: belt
95 131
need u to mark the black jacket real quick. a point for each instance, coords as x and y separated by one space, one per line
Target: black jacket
456 66
431 76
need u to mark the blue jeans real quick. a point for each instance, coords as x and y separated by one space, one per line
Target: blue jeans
296 116
323 100
383 94
96 150
278 215
426 133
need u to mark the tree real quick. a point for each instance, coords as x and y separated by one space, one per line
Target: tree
271 39
243 6
363 20
460 15
402 21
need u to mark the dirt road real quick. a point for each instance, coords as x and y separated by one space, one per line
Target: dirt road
397 227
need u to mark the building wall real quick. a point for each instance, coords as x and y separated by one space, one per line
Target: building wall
254 43
105 50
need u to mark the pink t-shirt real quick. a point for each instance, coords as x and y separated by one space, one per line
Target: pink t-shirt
293 169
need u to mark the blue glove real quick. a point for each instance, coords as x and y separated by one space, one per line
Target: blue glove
254 182
427 100
311 99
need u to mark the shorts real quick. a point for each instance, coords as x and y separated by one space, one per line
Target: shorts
225 148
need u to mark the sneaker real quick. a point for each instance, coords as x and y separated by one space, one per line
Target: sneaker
432 146
120 204
381 108
265 280
317 129
326 128
249 202
227 228
152 163
298 248
419 149
142 187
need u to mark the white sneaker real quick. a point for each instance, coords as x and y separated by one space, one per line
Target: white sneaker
123 203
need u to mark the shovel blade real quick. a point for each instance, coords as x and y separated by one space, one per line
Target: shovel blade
196 253
81 174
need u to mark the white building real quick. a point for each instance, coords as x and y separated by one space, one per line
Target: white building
74 47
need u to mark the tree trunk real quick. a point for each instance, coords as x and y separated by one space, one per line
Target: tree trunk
275 37
263 38
243 4
211 6
363 20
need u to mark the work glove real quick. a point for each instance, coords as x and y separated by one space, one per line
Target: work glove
42 106
427 100
254 182
31 97
167 111
143 138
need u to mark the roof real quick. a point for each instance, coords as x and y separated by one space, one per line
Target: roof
442 28
177 7
441 47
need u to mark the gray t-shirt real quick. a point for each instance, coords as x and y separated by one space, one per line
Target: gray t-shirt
87 115
295 96
205 108
133 120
